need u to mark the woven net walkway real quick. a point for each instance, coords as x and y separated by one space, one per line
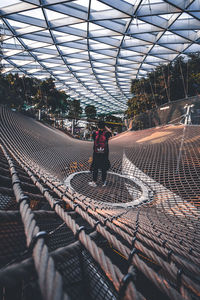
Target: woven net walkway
136 238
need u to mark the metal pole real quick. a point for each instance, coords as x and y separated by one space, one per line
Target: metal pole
187 122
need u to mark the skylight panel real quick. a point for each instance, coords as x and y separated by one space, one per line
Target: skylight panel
117 37
51 47
82 26
88 83
99 6
67 38
137 22
99 71
119 68
73 60
93 26
17 24
54 15
35 63
60 33
83 3
122 79
161 50
4 61
85 53
167 16
126 53
98 56
27 42
32 71
4 3
33 13
64 74
41 77
79 74
193 48
83 79
11 52
152 59
37 45
21 62
65 78
28 29
74 68
185 16
50 65
45 56
98 64
101 46
67 50
7 70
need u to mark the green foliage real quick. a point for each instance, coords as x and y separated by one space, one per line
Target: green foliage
90 111
12 91
22 92
101 116
51 99
75 109
111 118
177 80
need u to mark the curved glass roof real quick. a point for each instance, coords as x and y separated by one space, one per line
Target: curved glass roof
94 48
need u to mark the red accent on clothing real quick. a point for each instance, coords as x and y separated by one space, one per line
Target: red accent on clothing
100 142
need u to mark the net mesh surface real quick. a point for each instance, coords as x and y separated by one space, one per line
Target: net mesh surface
136 238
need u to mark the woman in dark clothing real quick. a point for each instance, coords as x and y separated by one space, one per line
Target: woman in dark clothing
100 153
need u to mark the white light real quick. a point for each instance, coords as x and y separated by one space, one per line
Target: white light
163 108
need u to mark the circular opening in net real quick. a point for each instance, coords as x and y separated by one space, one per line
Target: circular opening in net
118 189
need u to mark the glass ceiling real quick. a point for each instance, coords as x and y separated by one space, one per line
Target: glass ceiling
94 48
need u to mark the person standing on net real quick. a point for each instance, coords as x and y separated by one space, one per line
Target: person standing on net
100 153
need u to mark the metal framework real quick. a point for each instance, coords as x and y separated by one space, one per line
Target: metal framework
94 48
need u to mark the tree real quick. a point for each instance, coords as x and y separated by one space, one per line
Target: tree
63 103
194 74
51 99
142 99
114 119
177 80
30 88
90 111
101 116
46 93
15 95
4 88
75 110
3 82
22 92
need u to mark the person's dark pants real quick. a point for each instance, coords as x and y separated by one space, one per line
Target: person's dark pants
103 174
100 162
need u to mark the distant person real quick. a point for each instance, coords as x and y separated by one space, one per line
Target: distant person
85 134
100 153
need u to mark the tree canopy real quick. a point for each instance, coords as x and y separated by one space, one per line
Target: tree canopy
176 80
75 109
90 111
22 92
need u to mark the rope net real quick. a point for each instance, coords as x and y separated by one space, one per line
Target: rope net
136 238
